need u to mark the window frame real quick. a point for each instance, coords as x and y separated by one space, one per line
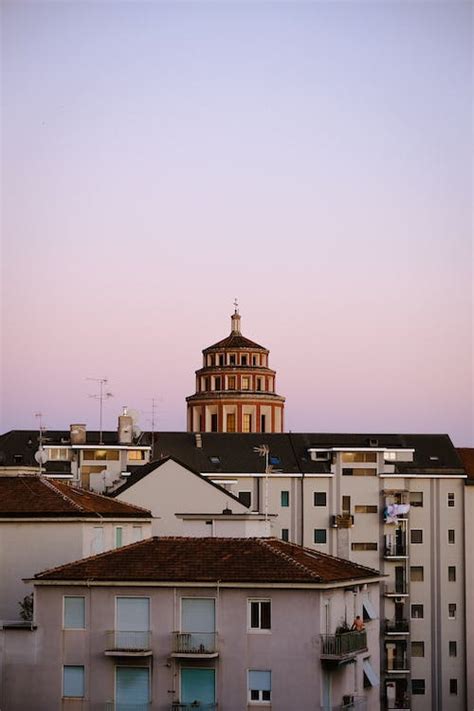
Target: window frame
418 534
285 499
454 615
285 534
417 605
258 601
451 531
451 499
260 700
422 687
320 493
63 684
320 543
75 597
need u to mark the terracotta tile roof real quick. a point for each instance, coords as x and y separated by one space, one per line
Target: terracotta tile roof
236 340
466 455
39 497
228 560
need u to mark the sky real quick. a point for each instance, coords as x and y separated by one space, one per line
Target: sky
312 159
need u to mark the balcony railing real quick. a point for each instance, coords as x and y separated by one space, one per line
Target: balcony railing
359 703
395 587
345 520
398 664
195 706
345 644
117 706
394 549
128 642
397 626
195 643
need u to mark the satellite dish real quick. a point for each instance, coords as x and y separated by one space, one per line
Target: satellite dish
41 456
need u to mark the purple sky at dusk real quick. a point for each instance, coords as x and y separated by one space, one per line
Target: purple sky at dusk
312 159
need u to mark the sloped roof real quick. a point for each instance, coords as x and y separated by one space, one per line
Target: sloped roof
142 471
235 340
35 496
228 560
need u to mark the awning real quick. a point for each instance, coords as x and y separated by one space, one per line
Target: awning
370 610
372 677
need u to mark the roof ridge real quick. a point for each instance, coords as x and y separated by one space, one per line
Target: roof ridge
95 494
266 543
64 496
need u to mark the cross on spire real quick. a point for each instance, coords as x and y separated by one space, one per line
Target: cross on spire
236 304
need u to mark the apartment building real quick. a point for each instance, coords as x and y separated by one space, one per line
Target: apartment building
44 523
177 624
391 502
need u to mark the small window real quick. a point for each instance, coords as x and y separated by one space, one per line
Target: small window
136 455
285 498
320 498
453 649
417 649
416 535
247 422
231 382
285 534
360 471
98 540
364 546
260 685
417 612
359 456
417 686
365 508
245 383
416 498
451 501
217 383
451 536
232 359
260 615
452 610
452 573
453 687
390 456
74 613
320 535
416 573
214 422
230 422
118 536
243 360
245 497
73 681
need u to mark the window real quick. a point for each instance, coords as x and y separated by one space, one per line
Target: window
245 497
260 612
417 649
452 610
217 383
118 536
214 422
101 455
365 508
416 535
243 360
359 456
230 422
416 573
231 382
416 498
73 681
263 423
417 612
346 506
247 423
451 535
362 471
453 649
364 546
58 453
259 384
417 686
320 535
221 359
260 685
451 499
74 613
390 456
232 359
98 541
453 687
136 454
254 360
285 534
245 383
285 498
320 498
452 573
137 534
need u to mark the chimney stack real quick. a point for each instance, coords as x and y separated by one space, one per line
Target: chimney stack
78 434
125 428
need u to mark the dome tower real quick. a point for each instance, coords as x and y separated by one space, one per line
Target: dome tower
235 388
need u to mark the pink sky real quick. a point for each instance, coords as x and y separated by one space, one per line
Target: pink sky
314 160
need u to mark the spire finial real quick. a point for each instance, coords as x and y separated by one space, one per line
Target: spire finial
236 305
235 318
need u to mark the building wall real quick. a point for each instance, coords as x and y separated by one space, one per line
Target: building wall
291 650
469 590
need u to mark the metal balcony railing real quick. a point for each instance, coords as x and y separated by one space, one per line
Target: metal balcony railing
397 626
198 643
359 703
395 587
397 664
129 641
394 549
342 645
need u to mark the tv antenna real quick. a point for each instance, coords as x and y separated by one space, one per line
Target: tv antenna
41 455
153 413
100 396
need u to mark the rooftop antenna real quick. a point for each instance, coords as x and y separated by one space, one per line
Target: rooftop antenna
263 451
152 412
236 305
41 455
100 396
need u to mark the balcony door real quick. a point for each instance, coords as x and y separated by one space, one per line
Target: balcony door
133 622
132 688
198 619
198 685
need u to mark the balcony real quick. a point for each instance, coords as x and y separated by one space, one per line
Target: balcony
113 706
398 665
128 644
358 703
395 588
344 520
195 645
343 646
397 627
195 706
395 549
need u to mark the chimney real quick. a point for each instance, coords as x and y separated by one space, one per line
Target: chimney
125 428
78 434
